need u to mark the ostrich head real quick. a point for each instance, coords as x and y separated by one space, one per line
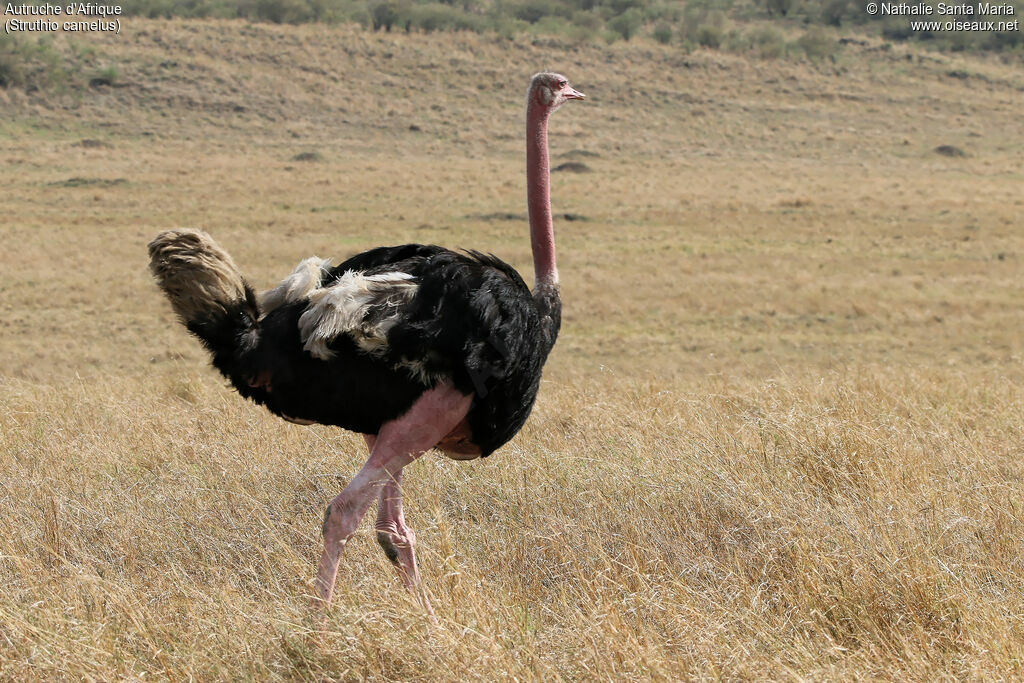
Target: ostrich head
552 90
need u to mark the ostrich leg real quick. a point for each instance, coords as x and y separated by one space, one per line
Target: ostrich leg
434 414
396 537
399 540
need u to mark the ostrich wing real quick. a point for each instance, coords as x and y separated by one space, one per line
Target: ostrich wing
364 306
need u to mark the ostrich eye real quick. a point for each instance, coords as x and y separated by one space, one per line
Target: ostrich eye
562 84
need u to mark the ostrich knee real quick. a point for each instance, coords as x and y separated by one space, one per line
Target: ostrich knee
393 541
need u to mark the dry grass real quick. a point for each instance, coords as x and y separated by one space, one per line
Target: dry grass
779 438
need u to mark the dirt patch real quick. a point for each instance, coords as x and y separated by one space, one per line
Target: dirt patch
89 182
950 151
572 167
498 216
510 216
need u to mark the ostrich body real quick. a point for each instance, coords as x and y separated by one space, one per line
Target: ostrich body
413 346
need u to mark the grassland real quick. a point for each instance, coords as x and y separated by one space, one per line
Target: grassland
780 436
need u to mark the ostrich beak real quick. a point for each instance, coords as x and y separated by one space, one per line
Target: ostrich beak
572 94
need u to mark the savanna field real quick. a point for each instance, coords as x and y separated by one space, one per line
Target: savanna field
780 436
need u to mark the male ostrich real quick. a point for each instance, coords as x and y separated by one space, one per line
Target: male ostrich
413 346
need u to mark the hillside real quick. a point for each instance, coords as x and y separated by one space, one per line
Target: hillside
779 436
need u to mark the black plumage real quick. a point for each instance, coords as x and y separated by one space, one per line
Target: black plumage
472 321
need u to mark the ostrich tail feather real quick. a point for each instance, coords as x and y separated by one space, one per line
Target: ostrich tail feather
196 274
204 286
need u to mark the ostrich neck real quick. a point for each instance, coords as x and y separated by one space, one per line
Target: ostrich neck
538 195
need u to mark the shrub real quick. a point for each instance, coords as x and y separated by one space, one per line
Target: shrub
702 25
623 6
283 11
669 12
587 19
385 15
507 27
1008 40
12 69
817 44
551 26
709 35
581 35
767 42
835 12
437 17
897 30
30 64
663 32
627 23
532 11
107 76
779 6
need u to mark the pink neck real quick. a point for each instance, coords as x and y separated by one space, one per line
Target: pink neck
538 194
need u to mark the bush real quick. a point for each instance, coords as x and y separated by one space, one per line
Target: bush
663 32
835 12
551 26
817 44
895 29
767 42
107 76
532 11
581 35
782 7
622 6
12 70
437 17
1005 40
627 23
508 28
669 12
702 25
709 36
30 64
385 15
587 19
283 11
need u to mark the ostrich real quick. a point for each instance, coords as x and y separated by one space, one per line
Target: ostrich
413 346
